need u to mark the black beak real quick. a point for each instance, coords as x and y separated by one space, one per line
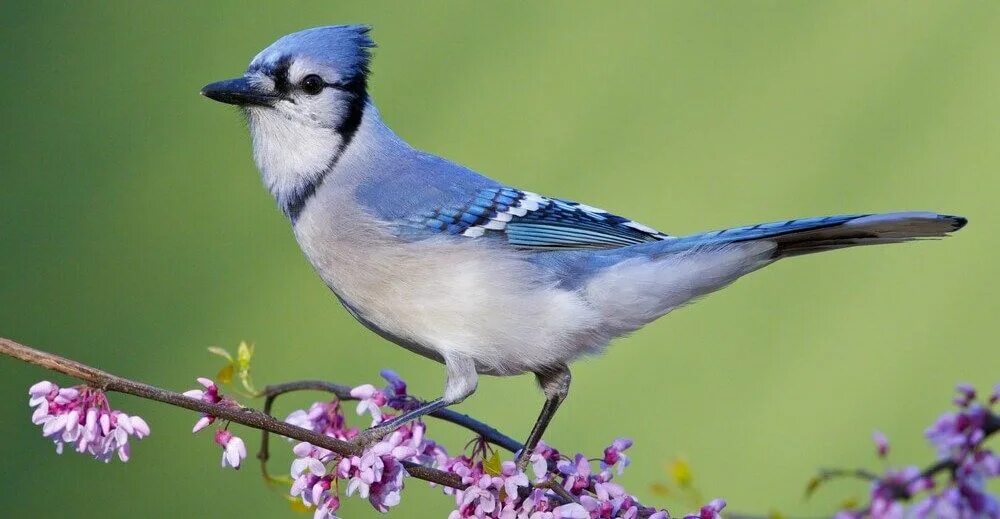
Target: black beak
238 92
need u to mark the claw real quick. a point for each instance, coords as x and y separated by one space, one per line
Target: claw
369 437
523 458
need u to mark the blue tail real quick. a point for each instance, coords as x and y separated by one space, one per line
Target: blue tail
807 235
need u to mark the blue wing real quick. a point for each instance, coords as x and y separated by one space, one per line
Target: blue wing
532 221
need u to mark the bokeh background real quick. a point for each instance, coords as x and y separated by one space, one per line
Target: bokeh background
134 231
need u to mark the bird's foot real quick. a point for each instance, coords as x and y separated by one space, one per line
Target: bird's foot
523 459
369 437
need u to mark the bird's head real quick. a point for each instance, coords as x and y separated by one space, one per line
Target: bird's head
304 97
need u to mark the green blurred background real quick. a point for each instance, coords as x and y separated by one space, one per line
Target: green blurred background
135 232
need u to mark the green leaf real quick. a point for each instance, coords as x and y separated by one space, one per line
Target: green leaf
680 471
850 503
659 489
491 466
225 375
298 506
244 353
221 352
813 485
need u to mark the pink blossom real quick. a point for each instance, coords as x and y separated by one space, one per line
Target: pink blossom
614 455
234 451
81 416
328 506
881 444
577 473
324 418
211 395
312 483
395 392
966 395
570 511
377 474
887 492
710 511
370 400
953 434
202 423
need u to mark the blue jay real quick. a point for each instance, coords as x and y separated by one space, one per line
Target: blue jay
457 267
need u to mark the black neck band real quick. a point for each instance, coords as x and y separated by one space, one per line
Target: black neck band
293 205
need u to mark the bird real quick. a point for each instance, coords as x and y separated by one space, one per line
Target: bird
486 278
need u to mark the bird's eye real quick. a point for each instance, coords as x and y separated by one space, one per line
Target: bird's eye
312 84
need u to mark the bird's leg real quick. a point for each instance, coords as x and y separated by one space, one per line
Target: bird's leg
373 435
462 381
555 385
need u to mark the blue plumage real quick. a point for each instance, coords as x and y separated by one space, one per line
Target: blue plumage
459 268
348 46
762 230
826 232
529 221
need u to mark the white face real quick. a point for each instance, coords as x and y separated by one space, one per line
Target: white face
299 136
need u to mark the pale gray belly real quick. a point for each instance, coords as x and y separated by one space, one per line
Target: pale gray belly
424 351
445 297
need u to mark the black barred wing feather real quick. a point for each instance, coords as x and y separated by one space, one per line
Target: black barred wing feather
528 220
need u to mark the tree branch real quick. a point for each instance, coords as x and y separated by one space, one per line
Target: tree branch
264 422
246 416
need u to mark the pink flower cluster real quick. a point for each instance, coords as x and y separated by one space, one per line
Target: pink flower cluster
499 494
377 474
958 439
81 415
561 487
234 451
508 494
494 490
324 418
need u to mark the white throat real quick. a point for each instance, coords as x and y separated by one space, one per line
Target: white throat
290 153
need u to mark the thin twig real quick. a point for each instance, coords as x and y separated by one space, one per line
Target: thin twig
342 392
862 474
487 432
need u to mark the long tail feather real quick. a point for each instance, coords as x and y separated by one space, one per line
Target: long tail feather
808 235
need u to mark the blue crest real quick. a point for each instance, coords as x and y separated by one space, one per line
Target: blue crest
343 47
